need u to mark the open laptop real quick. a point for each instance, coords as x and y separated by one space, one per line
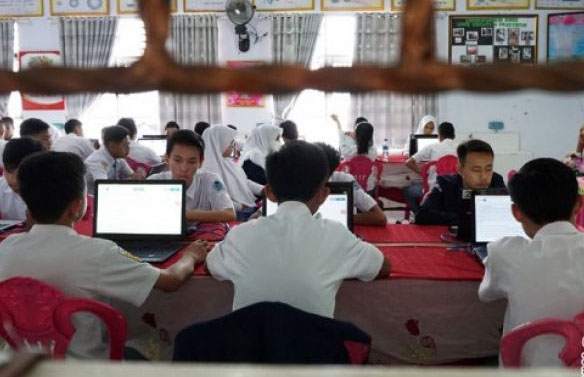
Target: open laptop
418 142
157 145
337 207
146 218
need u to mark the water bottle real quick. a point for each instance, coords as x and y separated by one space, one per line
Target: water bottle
385 148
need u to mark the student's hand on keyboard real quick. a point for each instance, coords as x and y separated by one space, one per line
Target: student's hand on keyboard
198 250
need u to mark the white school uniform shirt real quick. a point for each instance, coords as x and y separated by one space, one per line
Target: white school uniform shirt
2 145
78 266
348 147
100 165
434 152
292 257
12 207
72 143
361 200
143 154
207 191
541 278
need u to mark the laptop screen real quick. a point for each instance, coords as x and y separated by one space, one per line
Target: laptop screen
157 145
493 218
139 208
418 142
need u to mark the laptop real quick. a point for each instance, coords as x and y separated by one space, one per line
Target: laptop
418 142
8 224
157 145
337 207
146 218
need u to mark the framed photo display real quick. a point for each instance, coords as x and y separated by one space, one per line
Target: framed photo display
497 4
493 39
559 4
343 5
131 6
79 8
21 8
439 5
283 5
565 36
204 5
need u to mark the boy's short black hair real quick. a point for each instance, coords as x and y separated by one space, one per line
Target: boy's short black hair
49 182
332 155
289 130
71 124
33 126
17 149
296 171
171 124
545 190
473 146
113 134
446 130
360 120
200 127
188 138
129 125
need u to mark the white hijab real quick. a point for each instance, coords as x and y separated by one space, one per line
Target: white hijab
217 138
426 119
261 143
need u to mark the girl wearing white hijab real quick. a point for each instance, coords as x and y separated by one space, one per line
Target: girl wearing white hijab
262 142
427 126
218 148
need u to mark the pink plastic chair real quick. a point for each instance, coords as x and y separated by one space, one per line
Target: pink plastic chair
35 312
444 165
572 331
362 168
138 166
510 174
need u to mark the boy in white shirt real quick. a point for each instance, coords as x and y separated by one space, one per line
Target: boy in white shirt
207 197
293 256
138 153
73 141
11 205
52 185
37 129
542 277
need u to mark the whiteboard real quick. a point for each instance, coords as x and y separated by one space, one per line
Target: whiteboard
501 142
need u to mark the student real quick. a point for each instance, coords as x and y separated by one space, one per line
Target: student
52 185
138 153
443 204
73 141
262 141
433 152
200 127
540 277
293 256
38 130
289 131
369 212
207 197
219 142
11 205
426 125
109 162
7 124
170 128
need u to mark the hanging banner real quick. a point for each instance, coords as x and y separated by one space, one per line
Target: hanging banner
236 99
34 59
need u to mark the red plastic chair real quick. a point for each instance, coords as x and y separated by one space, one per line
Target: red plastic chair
572 331
444 165
37 313
362 168
510 174
138 166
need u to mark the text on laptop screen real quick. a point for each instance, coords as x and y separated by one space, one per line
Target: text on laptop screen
424 142
493 218
139 209
157 145
334 208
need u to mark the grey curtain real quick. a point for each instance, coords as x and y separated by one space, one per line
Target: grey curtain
193 41
6 57
86 42
394 116
294 39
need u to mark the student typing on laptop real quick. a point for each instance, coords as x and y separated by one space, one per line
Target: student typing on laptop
207 197
52 185
443 205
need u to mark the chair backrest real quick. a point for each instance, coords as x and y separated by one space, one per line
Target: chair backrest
572 331
34 313
363 168
444 165
510 174
138 166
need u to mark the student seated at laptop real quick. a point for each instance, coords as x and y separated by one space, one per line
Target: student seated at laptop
443 205
369 212
542 277
38 130
74 141
108 161
207 197
138 152
292 256
11 205
52 185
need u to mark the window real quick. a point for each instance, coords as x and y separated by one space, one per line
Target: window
313 108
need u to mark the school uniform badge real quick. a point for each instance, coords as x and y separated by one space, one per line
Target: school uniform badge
218 186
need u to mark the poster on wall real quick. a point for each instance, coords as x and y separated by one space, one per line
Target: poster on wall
493 39
131 6
236 99
342 5
79 7
21 8
283 5
35 59
441 5
496 4
204 5
565 36
559 4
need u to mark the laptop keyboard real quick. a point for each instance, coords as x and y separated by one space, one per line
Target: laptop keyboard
151 251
